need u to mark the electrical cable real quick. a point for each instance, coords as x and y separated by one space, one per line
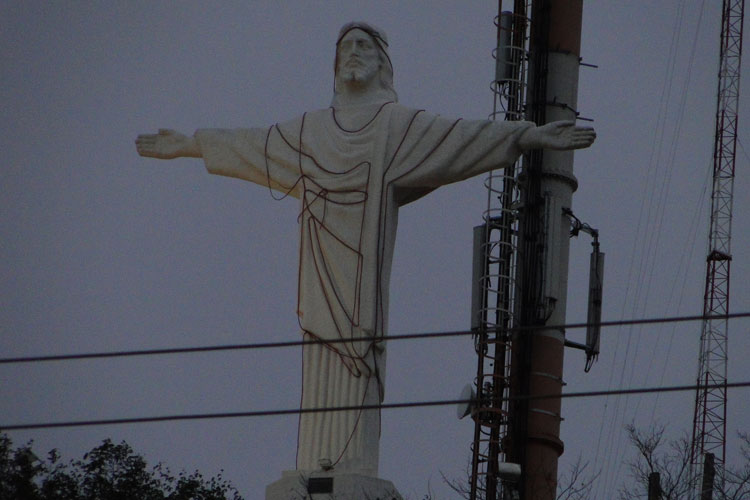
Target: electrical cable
665 190
632 409
683 266
651 217
406 336
384 406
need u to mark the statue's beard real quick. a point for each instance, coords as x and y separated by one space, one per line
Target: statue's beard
357 73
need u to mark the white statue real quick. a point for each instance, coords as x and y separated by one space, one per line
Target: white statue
352 166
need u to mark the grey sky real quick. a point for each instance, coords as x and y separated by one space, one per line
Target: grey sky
103 250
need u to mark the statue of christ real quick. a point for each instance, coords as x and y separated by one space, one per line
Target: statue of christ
351 166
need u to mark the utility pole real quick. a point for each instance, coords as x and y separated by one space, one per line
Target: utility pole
537 360
709 474
654 486
521 263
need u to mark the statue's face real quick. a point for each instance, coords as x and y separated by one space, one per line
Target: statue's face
358 58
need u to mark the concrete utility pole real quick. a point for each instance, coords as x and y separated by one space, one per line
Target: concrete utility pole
654 486
709 475
537 363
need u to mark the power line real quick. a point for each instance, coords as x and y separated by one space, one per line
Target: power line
297 343
385 406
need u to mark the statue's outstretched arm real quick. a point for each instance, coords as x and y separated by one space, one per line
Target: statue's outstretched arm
167 144
560 135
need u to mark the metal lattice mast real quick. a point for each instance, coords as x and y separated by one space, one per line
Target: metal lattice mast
709 422
494 268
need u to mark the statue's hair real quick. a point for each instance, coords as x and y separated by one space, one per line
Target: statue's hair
385 72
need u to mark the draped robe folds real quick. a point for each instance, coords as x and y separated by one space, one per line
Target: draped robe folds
350 184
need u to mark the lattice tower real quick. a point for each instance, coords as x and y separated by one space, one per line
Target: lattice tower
709 422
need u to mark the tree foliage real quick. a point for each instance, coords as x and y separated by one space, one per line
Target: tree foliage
671 460
108 472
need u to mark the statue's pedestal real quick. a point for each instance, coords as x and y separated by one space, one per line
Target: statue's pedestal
329 485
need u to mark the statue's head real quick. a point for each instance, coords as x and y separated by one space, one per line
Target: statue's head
362 58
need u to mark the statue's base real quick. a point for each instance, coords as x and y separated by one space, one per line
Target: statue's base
322 485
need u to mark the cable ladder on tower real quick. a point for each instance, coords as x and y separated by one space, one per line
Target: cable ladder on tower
495 244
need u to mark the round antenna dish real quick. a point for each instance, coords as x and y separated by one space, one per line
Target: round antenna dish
467 398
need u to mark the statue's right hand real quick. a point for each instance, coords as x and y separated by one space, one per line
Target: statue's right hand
166 144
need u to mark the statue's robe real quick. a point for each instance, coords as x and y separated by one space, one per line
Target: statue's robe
350 184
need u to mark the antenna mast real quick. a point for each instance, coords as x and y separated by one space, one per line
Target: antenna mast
520 266
709 421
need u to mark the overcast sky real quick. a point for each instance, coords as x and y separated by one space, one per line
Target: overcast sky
102 250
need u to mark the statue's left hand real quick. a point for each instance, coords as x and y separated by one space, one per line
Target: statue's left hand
562 135
166 145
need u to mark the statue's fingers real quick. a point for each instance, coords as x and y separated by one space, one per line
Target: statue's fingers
145 143
584 132
144 146
583 142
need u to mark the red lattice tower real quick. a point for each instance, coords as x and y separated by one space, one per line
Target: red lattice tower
709 423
